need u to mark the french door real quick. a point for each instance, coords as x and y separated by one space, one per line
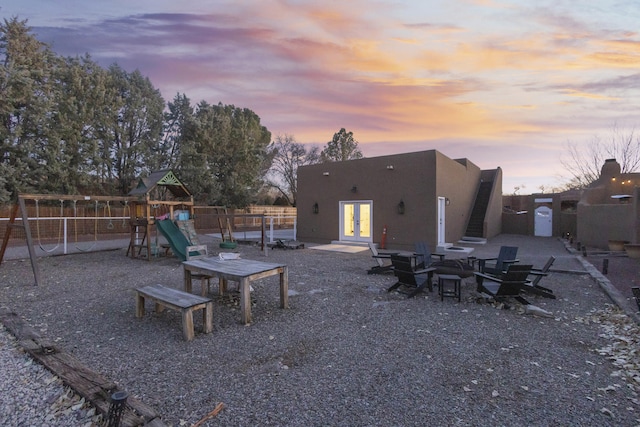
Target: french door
356 221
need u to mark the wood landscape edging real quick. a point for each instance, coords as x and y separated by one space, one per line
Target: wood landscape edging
94 387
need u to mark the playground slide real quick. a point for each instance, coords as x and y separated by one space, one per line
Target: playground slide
174 236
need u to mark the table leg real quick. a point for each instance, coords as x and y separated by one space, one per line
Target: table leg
187 280
284 287
245 301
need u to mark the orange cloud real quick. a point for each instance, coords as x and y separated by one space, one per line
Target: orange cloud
577 93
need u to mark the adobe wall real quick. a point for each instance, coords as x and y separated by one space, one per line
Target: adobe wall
457 181
595 225
416 179
385 180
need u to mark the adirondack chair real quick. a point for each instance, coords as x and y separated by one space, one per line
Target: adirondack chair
508 284
414 281
381 266
533 287
425 258
505 258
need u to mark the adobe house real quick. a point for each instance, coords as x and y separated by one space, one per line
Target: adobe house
422 196
608 209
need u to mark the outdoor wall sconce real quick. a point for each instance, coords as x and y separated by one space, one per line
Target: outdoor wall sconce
354 189
401 207
390 167
316 209
325 173
447 202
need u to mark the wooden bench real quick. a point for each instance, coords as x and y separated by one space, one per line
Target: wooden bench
177 300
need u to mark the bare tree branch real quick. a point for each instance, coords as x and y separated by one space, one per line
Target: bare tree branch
288 156
584 160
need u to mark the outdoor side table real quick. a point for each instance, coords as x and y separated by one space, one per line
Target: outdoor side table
453 279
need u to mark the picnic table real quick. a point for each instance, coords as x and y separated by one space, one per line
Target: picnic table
243 271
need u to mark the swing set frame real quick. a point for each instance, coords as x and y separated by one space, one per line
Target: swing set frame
21 205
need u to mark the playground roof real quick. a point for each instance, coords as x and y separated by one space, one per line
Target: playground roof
164 178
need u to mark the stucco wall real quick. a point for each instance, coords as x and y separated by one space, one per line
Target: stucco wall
596 225
493 219
457 181
603 215
515 224
407 181
563 222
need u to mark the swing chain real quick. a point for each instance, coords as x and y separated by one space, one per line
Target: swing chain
108 209
59 226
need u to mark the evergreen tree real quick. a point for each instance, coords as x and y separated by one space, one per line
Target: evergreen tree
26 97
342 147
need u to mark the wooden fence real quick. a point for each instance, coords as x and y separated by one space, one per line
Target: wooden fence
87 220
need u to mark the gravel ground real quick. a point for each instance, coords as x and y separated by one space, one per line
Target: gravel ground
346 353
33 396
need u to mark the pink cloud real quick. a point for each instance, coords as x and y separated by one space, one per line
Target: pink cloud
477 81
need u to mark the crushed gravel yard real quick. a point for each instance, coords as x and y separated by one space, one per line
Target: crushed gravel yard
346 352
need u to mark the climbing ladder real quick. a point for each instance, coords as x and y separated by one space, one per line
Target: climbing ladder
224 224
139 238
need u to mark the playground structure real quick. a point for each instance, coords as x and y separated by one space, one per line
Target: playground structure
159 197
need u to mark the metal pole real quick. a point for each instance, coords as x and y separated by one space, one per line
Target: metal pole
64 245
262 227
605 266
270 229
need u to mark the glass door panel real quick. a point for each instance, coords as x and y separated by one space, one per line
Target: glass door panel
356 221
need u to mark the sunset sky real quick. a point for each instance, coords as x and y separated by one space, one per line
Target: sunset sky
502 83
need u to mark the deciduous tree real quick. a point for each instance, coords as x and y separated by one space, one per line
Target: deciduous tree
584 160
288 155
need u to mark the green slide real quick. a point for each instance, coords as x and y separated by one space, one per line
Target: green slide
174 236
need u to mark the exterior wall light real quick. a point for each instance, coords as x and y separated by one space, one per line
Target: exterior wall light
316 208
390 167
354 189
401 207
325 173
447 202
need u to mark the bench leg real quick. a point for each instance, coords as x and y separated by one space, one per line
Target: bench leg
187 324
207 317
139 305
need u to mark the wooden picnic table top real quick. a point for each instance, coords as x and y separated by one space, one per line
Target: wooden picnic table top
233 267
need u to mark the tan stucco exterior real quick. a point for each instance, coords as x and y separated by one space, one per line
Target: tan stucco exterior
592 216
602 216
417 179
